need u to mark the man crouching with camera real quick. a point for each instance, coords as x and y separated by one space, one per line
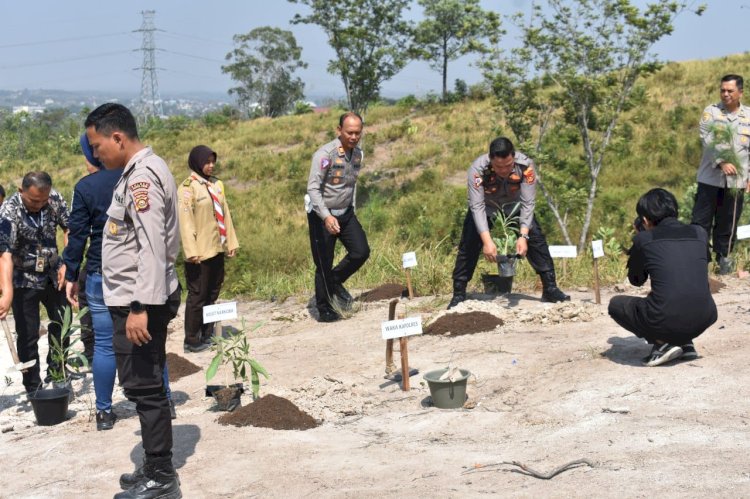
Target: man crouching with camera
675 256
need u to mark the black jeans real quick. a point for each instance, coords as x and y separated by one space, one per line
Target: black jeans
140 371
323 246
715 208
204 282
471 245
26 315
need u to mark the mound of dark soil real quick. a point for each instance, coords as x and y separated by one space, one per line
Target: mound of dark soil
270 412
179 367
385 292
715 285
459 324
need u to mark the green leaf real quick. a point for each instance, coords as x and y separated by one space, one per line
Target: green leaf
213 367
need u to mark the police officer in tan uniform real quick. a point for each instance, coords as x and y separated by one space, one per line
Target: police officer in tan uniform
716 206
140 244
329 204
498 181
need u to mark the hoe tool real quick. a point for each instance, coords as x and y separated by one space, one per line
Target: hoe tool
18 365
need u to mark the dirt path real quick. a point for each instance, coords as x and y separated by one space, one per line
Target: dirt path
551 385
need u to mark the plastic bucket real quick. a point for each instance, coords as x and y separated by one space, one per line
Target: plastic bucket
50 405
506 265
447 394
494 283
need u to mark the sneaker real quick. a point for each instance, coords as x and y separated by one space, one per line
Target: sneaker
688 352
105 420
328 316
661 354
200 347
172 410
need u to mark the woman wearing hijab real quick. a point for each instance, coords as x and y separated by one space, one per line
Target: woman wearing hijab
207 235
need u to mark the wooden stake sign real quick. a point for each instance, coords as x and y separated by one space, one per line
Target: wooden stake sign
409 260
399 328
598 251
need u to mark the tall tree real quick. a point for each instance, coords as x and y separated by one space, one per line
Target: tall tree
451 29
263 63
370 40
588 56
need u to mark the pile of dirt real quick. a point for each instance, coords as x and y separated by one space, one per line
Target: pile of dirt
715 285
179 367
326 398
384 292
569 311
272 412
459 324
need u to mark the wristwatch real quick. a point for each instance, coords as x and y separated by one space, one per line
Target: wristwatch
525 236
137 307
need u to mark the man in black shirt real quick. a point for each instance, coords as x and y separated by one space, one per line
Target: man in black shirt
675 256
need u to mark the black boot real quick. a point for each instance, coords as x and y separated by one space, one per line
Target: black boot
342 296
459 293
551 293
159 481
128 480
726 265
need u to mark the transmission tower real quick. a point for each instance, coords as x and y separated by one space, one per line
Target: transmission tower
150 104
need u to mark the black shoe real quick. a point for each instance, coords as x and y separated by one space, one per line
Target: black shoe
200 347
457 298
688 352
172 410
726 265
157 480
342 295
128 480
554 295
661 354
105 420
328 316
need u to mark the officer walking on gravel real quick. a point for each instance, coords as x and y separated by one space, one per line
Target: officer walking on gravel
498 181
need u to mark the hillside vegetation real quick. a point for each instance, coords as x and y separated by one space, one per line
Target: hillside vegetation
412 194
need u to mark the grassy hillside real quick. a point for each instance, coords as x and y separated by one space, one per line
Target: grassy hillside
412 194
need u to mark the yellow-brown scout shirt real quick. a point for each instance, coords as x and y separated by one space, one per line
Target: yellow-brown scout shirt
488 192
141 237
331 186
198 227
709 171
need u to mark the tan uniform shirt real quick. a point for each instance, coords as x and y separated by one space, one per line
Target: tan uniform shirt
709 171
198 227
488 192
141 237
333 179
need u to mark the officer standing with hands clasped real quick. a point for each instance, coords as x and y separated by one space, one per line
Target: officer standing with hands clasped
140 244
330 199
497 181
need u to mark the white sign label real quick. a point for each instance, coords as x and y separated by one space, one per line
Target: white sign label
598 248
743 231
220 312
409 259
563 251
401 327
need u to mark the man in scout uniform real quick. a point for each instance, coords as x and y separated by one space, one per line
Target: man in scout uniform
723 172
330 216
139 248
498 181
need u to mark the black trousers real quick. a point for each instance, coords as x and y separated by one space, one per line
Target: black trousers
204 281
26 315
714 210
140 371
87 325
471 245
323 246
629 313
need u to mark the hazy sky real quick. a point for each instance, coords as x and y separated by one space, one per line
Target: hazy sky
90 45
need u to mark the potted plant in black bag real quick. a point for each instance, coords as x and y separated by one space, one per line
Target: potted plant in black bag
233 350
504 234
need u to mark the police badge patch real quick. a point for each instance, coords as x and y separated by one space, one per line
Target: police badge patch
325 163
139 190
477 181
529 175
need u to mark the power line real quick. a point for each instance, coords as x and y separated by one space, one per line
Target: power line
70 59
62 40
191 56
193 37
